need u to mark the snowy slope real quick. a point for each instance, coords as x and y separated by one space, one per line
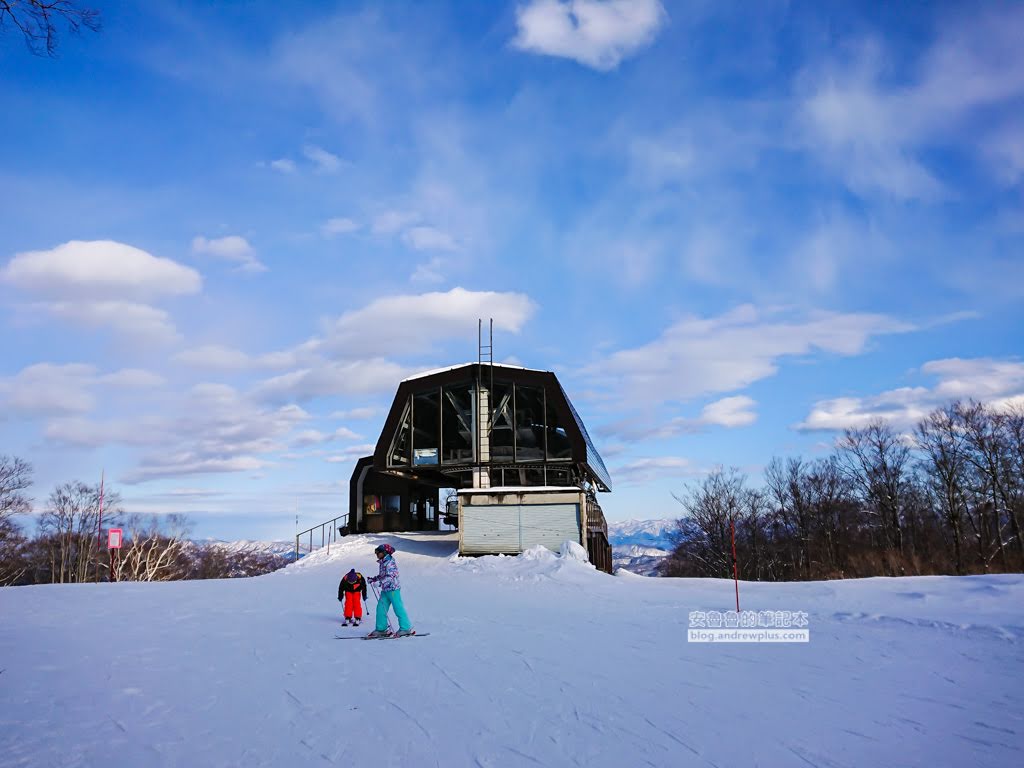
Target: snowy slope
535 660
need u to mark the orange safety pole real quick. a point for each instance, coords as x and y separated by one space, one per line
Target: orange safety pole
735 570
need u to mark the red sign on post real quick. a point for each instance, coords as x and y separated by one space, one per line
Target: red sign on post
114 538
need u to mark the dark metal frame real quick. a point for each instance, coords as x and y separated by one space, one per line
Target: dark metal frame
545 380
325 537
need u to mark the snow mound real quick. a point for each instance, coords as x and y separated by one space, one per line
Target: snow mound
536 564
573 550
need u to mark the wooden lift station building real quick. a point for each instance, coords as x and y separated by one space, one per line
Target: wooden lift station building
509 440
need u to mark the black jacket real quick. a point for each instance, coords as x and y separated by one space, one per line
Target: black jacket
348 586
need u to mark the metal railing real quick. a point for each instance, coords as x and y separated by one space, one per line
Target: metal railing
330 531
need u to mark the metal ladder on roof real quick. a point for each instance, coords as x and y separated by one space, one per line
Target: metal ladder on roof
484 416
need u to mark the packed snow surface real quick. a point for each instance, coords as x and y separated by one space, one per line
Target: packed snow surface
532 660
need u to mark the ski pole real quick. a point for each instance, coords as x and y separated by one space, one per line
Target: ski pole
376 594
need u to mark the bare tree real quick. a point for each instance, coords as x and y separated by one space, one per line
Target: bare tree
69 526
155 549
15 478
719 500
876 460
989 437
941 439
38 20
786 485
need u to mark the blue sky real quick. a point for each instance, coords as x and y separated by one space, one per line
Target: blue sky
228 231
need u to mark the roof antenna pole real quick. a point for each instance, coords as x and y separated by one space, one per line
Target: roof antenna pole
484 356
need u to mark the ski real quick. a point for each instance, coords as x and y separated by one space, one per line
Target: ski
389 637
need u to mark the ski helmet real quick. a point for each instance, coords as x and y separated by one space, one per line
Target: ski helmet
352 576
387 549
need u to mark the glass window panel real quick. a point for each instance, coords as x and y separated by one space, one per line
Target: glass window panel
524 476
399 453
457 424
426 419
497 478
559 446
558 477
501 423
529 423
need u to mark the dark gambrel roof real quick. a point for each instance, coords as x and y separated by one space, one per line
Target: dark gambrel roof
584 453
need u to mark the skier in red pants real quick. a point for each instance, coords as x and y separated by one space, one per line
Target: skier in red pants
349 593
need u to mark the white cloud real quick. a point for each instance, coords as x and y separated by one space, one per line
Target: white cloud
316 437
351 453
998 383
698 356
874 129
837 248
401 324
186 464
214 357
91 433
139 321
355 414
595 33
132 378
323 161
1005 151
658 162
217 429
429 239
98 270
49 389
429 271
283 165
390 222
309 437
730 412
217 357
327 379
652 469
232 248
982 378
338 226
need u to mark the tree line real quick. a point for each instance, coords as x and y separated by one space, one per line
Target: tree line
66 545
947 498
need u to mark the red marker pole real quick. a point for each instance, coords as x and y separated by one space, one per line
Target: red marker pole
735 570
99 529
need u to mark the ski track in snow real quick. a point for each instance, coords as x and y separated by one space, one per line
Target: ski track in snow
532 661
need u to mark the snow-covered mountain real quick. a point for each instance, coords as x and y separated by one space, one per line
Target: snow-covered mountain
282 548
654 534
531 660
639 546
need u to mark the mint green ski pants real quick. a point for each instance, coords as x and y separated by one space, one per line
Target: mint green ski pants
386 601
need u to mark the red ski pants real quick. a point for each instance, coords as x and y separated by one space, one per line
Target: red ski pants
353 605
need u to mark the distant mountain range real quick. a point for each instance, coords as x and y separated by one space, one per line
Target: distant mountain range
639 546
655 534
283 548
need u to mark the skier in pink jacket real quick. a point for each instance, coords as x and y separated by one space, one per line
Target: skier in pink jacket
390 594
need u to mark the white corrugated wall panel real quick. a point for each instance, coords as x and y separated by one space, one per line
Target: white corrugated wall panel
549 524
490 529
